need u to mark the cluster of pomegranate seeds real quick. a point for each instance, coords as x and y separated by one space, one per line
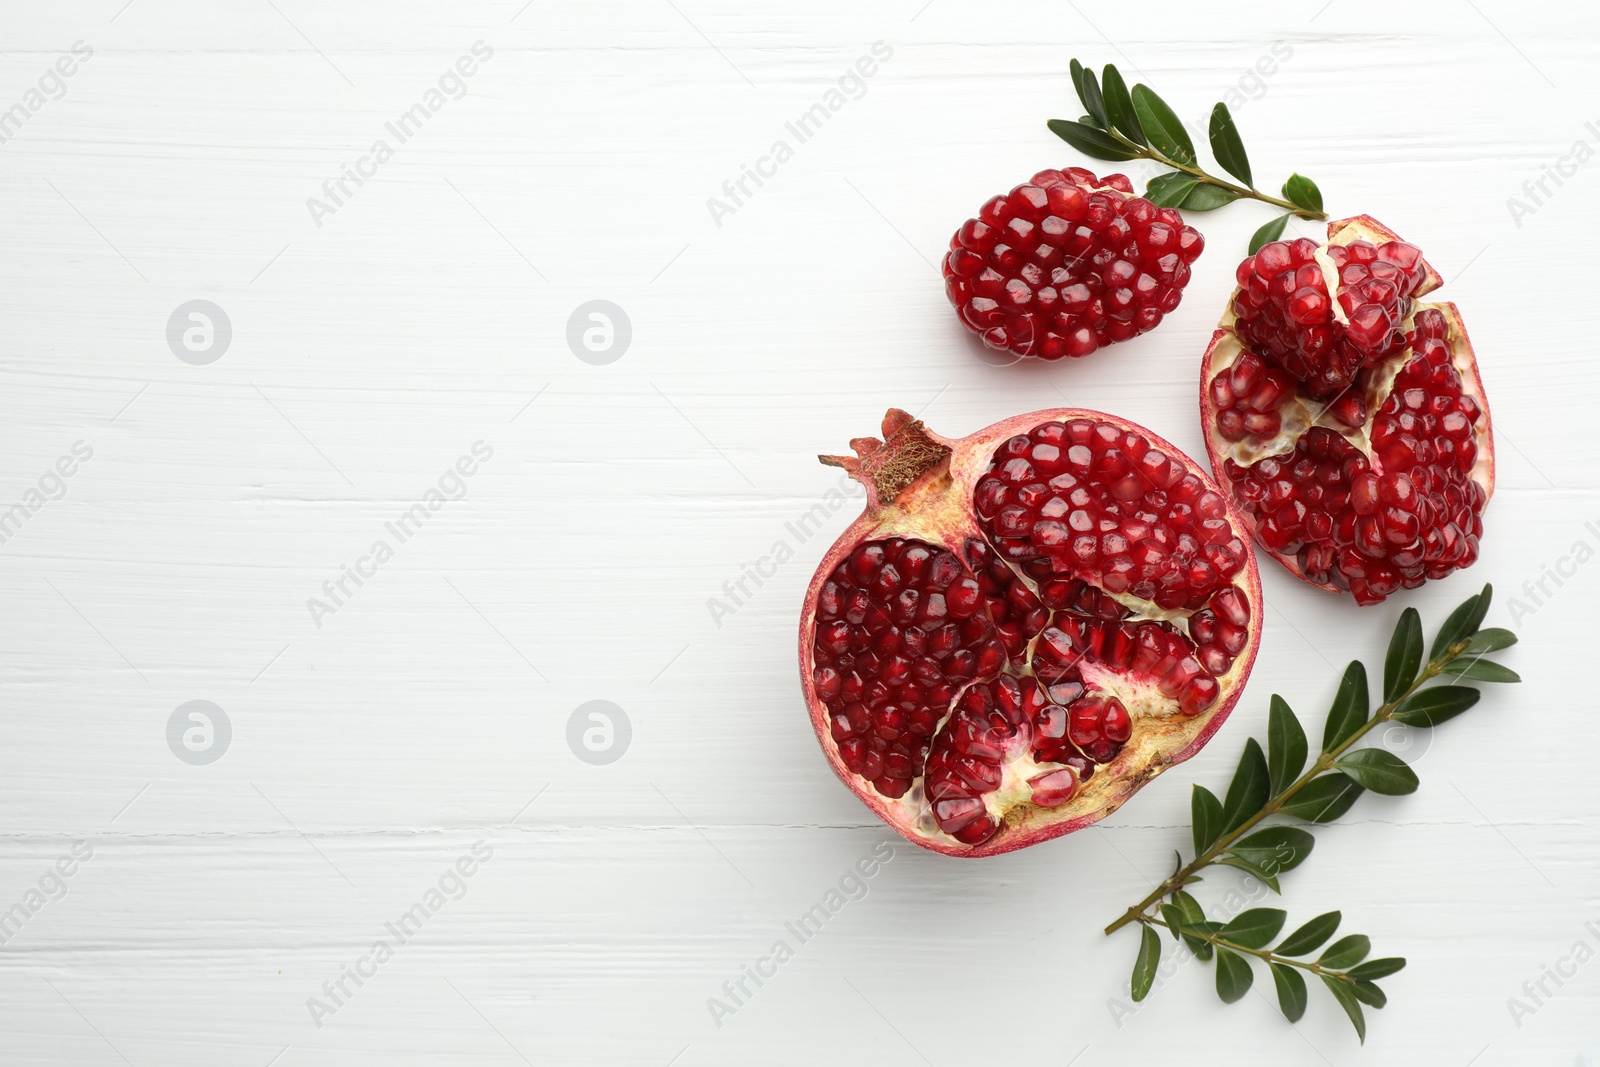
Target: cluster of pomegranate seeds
901 627
1247 396
1377 527
1067 264
1286 314
1085 499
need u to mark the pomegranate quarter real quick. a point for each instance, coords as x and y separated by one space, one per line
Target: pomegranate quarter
1347 419
1025 625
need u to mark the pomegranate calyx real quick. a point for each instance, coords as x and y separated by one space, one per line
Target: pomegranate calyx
907 454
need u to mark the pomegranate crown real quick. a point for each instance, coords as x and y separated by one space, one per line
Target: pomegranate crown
907 453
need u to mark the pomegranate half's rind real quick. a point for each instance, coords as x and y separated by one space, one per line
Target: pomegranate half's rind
936 508
1299 413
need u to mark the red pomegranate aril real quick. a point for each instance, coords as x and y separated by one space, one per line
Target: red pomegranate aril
1023 622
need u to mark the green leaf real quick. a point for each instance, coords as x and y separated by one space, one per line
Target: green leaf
1324 799
1091 142
1400 666
1233 976
1077 80
1174 919
1264 236
1347 1000
1144 965
1286 746
1381 968
1163 128
1254 928
1291 991
1475 620
1457 627
1435 705
1490 640
1093 102
1206 811
1201 948
1227 146
1169 189
1379 770
1206 197
1119 105
1192 911
1480 670
1276 849
1303 193
1270 880
1369 994
1349 711
1346 952
1311 936
1247 794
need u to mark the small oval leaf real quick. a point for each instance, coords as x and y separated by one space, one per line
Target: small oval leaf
1206 197
1303 193
1435 705
1490 640
1455 627
1168 190
1233 976
1275 849
1310 937
1346 952
1239 863
1369 994
1162 126
1379 770
1347 1000
1265 236
1291 991
1173 917
1480 670
1254 928
1247 793
1400 666
1324 799
1286 746
1380 968
1091 142
1093 102
1119 105
1206 812
1227 146
1145 964
1349 711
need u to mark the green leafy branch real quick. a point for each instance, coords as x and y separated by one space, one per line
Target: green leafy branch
1277 781
1123 124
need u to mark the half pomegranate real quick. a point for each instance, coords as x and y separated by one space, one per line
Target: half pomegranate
1347 419
1024 626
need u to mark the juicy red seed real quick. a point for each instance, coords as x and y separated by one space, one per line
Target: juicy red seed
1099 726
1067 264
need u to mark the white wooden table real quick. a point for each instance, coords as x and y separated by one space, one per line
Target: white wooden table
421 310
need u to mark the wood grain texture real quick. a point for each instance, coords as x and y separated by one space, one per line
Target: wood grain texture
429 312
